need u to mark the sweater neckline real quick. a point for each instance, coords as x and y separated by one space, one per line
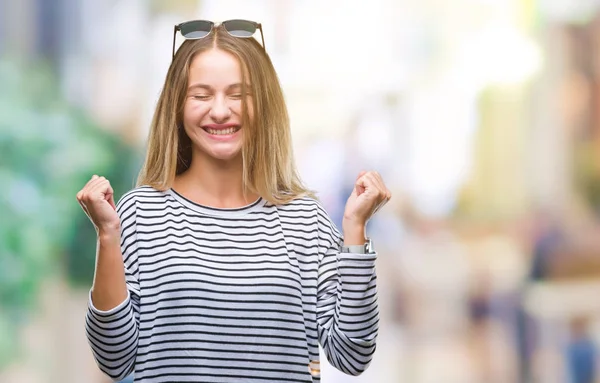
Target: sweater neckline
215 211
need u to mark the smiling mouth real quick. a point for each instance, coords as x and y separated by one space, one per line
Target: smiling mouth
223 132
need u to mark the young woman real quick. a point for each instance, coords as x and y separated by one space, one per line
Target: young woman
221 266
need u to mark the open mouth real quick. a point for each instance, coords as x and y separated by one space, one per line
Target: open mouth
222 132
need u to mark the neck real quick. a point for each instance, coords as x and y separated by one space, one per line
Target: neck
214 183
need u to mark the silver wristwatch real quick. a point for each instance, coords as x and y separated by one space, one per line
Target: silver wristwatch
367 248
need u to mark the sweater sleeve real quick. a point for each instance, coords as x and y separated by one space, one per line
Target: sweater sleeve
113 334
347 309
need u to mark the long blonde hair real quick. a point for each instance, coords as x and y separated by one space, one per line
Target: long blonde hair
268 163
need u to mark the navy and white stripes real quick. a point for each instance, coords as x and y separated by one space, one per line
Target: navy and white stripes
234 295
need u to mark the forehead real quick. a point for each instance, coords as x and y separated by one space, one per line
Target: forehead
215 67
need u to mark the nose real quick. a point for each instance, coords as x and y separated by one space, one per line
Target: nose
220 111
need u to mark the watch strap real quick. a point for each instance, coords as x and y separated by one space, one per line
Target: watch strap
367 248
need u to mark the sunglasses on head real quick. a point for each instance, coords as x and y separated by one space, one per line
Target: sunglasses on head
199 29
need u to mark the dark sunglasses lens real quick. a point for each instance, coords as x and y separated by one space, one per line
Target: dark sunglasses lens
240 28
196 29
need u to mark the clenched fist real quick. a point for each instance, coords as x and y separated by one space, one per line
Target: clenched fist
368 196
97 201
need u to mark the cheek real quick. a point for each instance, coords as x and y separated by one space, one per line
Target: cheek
193 111
192 117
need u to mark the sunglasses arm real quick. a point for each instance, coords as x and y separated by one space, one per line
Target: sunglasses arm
262 36
174 34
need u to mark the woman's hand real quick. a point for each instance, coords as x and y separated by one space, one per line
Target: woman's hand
97 201
368 196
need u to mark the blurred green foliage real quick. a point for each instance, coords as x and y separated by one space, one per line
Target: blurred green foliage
48 151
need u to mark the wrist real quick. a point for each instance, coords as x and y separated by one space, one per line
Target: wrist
109 235
354 235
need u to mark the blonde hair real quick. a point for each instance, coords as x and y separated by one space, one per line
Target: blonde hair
267 155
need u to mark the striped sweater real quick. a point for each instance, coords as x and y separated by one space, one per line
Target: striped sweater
234 295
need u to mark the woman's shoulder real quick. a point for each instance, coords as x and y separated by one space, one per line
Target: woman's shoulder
300 202
305 204
142 193
307 210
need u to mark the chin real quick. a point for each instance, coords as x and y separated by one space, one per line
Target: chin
226 155
218 151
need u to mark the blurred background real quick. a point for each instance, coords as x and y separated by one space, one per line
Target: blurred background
483 116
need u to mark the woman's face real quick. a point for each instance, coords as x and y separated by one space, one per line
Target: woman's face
212 114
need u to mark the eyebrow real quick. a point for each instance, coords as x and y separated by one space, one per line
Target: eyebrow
208 87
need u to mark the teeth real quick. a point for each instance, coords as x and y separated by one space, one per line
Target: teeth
220 132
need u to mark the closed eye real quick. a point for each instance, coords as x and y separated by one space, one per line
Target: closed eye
201 97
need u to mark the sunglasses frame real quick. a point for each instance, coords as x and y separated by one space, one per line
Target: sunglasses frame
213 25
